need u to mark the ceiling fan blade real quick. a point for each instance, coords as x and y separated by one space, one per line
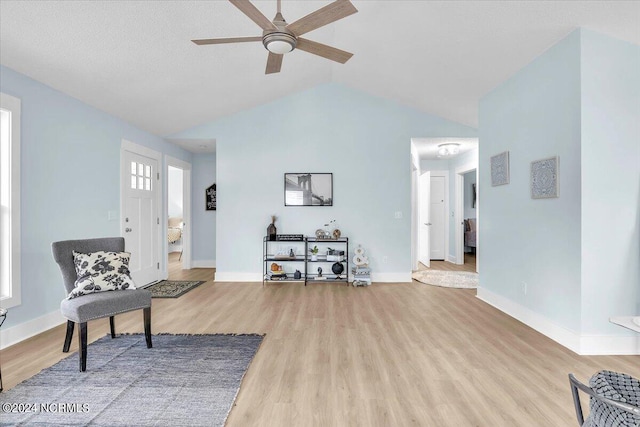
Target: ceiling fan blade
228 40
274 63
254 14
323 50
330 13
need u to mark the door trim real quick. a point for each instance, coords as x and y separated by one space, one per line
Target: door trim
186 210
132 147
459 216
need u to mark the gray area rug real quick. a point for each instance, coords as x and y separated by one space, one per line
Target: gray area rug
447 279
184 380
172 288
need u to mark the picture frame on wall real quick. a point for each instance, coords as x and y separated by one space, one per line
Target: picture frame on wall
500 169
545 180
308 189
210 197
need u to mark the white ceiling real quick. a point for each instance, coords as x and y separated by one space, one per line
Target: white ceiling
134 59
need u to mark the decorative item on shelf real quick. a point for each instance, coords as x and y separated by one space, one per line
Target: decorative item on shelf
320 276
297 275
277 272
335 231
290 237
291 253
335 255
337 269
271 229
361 271
314 253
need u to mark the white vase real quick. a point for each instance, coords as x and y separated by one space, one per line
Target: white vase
314 257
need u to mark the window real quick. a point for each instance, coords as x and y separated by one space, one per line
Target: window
140 176
9 201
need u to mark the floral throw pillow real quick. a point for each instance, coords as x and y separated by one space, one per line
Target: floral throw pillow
100 272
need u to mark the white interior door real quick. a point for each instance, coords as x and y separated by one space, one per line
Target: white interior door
140 220
425 219
437 218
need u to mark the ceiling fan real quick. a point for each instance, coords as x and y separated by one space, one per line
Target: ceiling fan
279 38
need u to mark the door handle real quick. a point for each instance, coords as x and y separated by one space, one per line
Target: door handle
427 223
127 230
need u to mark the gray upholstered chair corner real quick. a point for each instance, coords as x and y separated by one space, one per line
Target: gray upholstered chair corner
82 309
614 400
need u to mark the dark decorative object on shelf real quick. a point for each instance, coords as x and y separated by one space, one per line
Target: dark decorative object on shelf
291 253
271 229
337 268
319 271
297 275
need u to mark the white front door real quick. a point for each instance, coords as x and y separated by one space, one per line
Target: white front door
425 218
140 219
437 217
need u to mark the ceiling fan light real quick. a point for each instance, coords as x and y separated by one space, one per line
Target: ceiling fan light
279 47
279 43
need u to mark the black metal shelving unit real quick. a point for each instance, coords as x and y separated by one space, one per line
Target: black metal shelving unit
340 244
304 260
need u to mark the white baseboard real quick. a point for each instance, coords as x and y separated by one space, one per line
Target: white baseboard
21 332
203 263
580 344
237 277
391 277
257 277
451 259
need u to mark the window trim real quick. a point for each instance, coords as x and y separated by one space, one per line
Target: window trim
13 106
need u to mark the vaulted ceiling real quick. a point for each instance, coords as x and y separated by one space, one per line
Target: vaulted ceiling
135 60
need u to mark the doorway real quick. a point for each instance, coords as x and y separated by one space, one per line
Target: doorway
467 216
139 200
178 210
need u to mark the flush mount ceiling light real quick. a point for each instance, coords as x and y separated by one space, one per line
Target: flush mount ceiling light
448 149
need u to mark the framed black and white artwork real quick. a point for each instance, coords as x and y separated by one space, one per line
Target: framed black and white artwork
308 189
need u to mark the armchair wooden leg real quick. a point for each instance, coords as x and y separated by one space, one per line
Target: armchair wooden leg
67 339
83 346
147 326
112 325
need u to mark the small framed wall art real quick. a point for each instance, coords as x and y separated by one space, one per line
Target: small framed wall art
500 169
210 198
308 189
544 178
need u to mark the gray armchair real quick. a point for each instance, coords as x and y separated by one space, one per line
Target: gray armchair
615 400
96 305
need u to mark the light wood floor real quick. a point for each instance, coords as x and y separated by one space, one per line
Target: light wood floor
469 264
384 355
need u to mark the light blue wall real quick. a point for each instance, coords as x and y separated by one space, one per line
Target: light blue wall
204 221
364 141
535 115
610 157
578 253
70 179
